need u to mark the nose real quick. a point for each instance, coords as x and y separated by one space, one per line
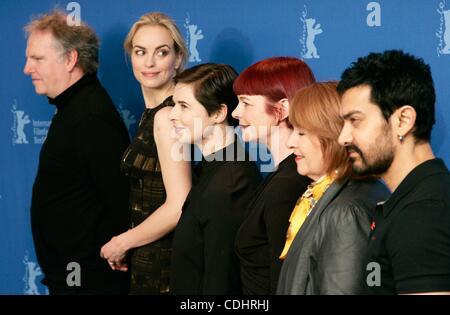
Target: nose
149 61
345 137
27 68
173 113
237 111
291 142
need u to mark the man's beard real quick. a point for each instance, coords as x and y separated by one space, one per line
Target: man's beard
375 162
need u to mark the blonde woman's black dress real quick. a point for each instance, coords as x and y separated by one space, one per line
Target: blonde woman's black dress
149 263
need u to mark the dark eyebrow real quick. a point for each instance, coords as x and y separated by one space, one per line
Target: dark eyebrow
348 115
183 102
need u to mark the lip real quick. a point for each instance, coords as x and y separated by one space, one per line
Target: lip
353 154
149 74
178 129
299 157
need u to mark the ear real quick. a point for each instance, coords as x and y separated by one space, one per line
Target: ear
220 116
71 60
178 62
403 120
284 103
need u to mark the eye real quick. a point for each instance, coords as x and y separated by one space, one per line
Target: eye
182 105
162 53
354 121
246 104
139 52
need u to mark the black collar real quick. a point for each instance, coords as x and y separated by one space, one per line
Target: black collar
414 178
62 99
287 165
289 161
235 151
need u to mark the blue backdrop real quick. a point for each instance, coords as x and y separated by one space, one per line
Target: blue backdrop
328 34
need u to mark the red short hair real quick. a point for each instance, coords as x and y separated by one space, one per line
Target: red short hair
275 78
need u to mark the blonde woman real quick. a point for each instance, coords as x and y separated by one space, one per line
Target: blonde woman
159 181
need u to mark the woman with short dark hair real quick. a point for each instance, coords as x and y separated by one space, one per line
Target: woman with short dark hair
203 260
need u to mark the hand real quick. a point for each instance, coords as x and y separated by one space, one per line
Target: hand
121 266
115 252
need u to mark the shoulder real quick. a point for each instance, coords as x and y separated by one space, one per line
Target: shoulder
342 214
433 187
101 122
364 193
287 181
356 200
426 215
162 116
429 199
237 173
287 184
227 182
94 97
162 127
96 104
281 192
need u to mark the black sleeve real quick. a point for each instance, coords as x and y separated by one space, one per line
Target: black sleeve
218 236
100 148
343 250
226 210
419 246
277 210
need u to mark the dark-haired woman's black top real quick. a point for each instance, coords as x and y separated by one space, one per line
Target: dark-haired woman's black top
203 258
261 237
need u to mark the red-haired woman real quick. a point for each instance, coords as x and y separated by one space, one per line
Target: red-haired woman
264 91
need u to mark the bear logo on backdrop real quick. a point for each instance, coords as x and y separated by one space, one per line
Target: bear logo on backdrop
310 31
20 120
127 116
443 33
19 124
32 272
193 35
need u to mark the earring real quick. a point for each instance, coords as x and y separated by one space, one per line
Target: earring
401 138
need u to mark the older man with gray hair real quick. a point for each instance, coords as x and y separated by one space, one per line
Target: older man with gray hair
80 197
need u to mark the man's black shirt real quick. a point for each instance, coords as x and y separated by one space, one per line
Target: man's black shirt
411 234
